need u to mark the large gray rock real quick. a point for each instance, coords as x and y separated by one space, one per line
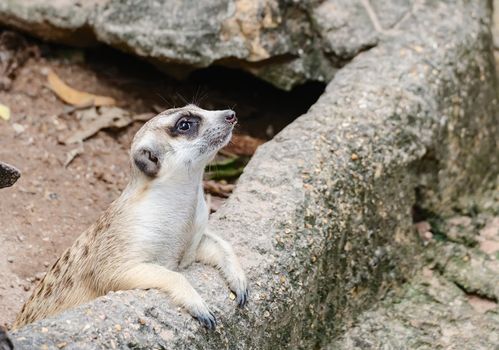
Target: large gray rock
284 42
322 216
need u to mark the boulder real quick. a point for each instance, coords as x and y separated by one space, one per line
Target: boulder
284 42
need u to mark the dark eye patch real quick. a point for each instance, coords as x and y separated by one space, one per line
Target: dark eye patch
185 125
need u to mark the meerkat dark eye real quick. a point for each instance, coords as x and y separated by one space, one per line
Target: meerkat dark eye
186 126
183 125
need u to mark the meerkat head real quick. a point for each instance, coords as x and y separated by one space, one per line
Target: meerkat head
180 138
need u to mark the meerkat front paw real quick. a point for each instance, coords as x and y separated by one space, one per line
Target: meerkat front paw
208 320
239 287
214 251
203 314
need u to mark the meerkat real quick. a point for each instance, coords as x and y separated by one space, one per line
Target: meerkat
156 226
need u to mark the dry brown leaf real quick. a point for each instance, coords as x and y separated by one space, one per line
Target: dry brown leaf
75 97
94 120
71 155
218 189
243 145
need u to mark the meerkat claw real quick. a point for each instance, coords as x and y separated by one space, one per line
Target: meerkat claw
242 298
209 321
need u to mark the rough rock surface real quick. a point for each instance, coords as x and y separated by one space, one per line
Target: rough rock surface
450 304
322 216
495 32
282 41
8 175
495 26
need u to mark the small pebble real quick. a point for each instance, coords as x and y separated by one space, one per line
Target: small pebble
18 128
355 156
348 246
10 259
44 70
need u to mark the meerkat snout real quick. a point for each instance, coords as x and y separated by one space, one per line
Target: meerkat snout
157 225
230 117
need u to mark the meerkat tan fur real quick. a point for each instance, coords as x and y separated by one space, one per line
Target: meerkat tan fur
157 225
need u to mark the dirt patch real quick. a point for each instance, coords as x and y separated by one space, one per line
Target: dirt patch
52 203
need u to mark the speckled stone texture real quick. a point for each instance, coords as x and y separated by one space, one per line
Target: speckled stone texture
322 216
495 26
8 175
451 303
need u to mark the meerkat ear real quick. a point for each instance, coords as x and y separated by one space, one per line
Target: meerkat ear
148 160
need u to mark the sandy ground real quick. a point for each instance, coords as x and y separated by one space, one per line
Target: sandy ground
52 204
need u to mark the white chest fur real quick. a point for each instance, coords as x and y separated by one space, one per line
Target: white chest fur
169 219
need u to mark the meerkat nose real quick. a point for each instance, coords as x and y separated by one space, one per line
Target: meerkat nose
230 117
